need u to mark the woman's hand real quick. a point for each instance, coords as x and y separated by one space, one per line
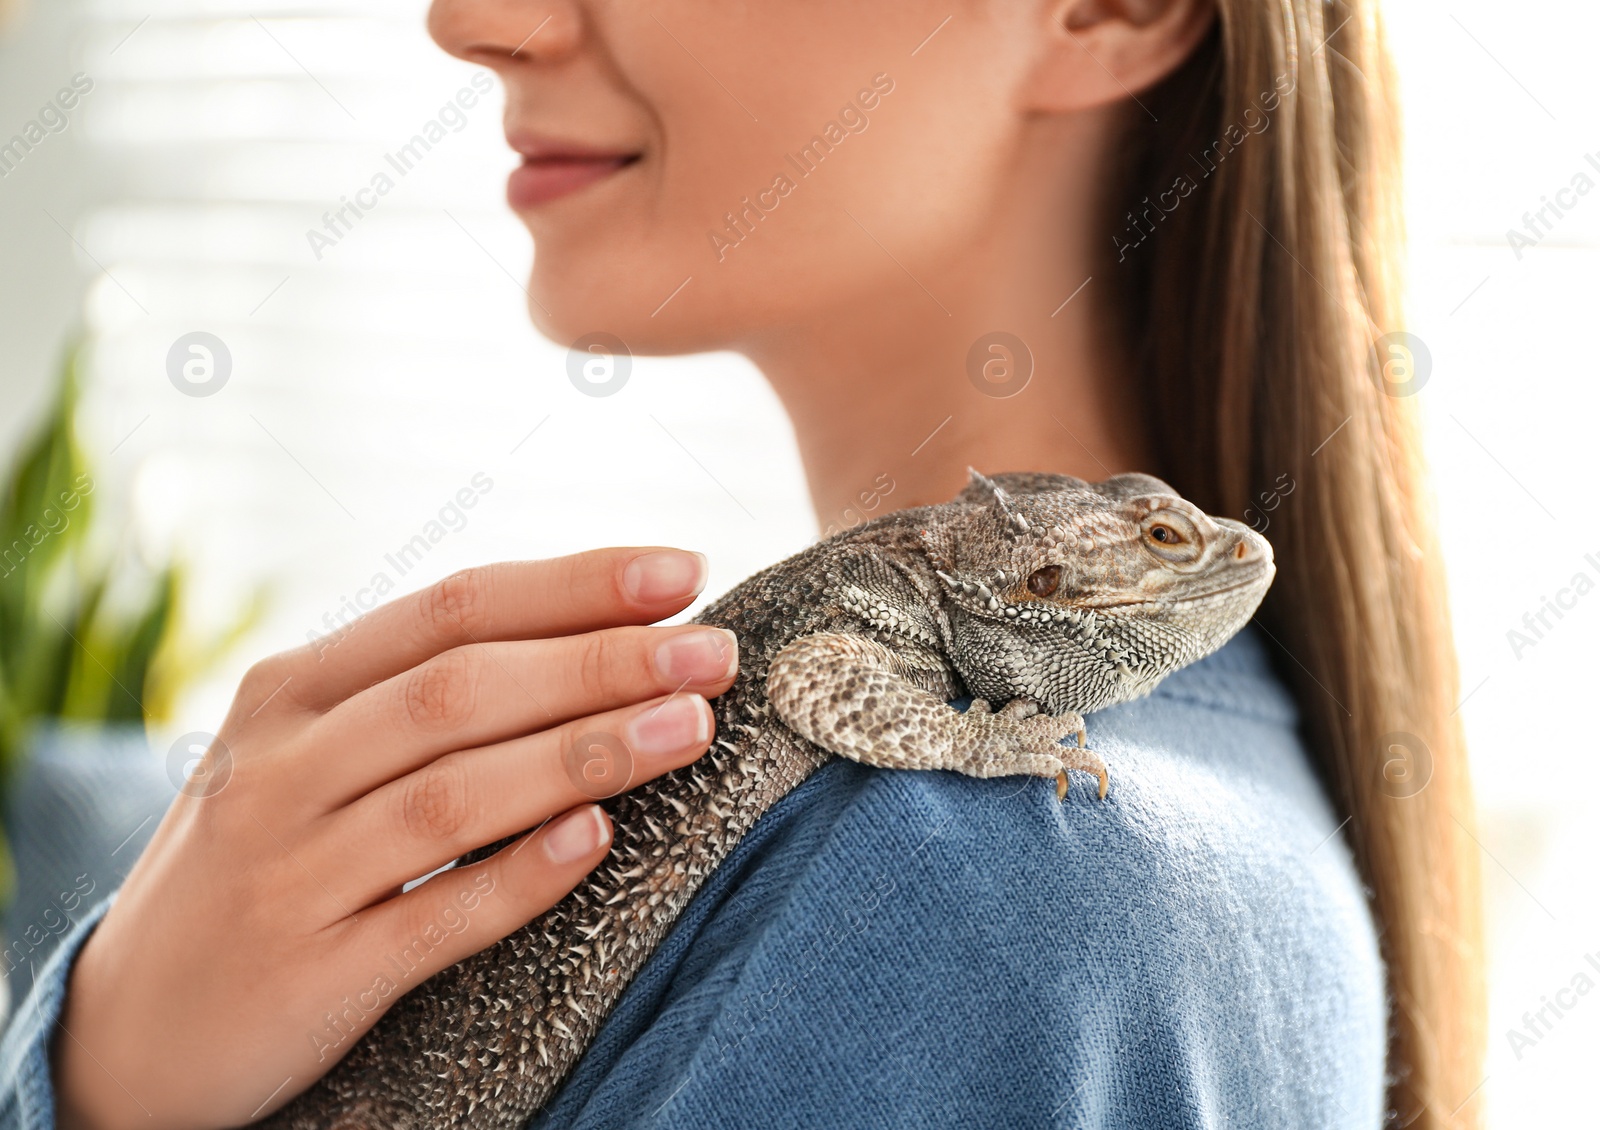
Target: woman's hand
264 928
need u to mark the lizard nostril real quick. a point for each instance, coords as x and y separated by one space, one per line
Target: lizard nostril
1242 550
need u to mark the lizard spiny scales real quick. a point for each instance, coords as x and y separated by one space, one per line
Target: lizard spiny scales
1050 594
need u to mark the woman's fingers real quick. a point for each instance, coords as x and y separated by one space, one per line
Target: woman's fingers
390 950
467 909
464 800
513 600
267 874
483 693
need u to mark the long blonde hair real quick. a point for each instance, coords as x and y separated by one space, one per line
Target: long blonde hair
1257 246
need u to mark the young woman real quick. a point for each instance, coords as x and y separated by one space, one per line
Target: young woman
1181 216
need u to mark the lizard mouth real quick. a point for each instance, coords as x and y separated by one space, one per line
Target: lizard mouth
1192 598
1043 611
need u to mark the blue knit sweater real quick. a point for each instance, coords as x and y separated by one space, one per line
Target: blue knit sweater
899 949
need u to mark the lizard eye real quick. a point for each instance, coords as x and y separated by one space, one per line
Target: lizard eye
1171 536
1044 582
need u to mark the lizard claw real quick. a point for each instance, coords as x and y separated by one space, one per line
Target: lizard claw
1021 738
1089 762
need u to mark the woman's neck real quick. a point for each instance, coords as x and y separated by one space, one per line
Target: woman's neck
887 386
890 392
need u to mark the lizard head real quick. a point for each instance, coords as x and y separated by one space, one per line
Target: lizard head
1079 595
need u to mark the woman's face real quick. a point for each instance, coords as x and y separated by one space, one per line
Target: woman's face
697 170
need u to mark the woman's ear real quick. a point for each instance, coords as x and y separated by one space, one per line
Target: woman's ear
1093 52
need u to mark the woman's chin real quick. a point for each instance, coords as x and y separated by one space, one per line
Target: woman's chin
571 323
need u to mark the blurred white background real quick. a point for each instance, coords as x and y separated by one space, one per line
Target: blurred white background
372 385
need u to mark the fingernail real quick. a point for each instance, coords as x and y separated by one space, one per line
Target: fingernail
672 574
575 835
708 655
680 723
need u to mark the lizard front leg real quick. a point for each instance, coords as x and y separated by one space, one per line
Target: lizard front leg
1022 707
859 699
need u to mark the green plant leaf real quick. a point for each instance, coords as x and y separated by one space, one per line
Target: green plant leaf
70 647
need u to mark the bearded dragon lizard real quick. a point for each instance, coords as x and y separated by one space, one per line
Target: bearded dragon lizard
1046 594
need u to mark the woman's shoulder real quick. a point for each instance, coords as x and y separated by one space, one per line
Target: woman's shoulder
927 945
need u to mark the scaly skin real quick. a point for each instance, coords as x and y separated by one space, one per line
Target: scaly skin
1052 595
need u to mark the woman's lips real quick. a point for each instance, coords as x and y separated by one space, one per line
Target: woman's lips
541 179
